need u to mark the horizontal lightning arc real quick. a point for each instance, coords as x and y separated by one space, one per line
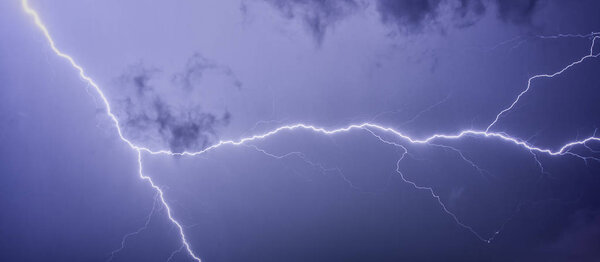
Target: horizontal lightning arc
364 126
369 126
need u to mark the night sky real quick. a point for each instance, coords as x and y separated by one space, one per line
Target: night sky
340 104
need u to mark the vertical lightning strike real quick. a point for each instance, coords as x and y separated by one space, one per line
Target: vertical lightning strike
82 74
370 127
161 197
90 81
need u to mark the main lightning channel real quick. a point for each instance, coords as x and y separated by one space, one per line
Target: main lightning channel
370 127
138 149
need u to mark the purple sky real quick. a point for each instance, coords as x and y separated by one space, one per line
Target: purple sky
183 75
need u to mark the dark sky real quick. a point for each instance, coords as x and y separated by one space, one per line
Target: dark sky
184 75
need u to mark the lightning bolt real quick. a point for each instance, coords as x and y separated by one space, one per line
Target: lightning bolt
372 128
38 22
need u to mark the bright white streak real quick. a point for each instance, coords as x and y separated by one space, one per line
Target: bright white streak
164 202
364 126
42 27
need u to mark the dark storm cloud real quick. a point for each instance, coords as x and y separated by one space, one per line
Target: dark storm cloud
145 112
316 14
186 130
197 66
516 11
139 78
407 15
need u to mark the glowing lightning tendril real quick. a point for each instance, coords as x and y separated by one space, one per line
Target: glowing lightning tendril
370 127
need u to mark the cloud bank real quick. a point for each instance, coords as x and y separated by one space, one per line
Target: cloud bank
409 16
150 112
